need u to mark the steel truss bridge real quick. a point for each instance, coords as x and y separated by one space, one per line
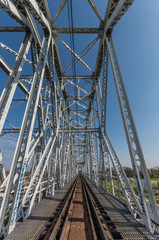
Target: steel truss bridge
63 118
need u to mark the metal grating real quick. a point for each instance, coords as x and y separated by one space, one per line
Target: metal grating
41 213
129 228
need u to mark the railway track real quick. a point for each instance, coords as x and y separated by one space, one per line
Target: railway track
80 211
80 216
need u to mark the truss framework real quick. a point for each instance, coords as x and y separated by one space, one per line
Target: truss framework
63 128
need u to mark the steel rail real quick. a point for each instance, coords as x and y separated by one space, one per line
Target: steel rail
88 216
57 230
53 224
89 212
60 226
95 215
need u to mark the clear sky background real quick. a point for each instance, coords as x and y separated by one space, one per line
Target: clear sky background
136 39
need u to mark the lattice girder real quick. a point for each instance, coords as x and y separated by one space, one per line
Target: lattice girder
63 128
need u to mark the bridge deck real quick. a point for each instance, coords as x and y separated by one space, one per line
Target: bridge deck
124 223
40 215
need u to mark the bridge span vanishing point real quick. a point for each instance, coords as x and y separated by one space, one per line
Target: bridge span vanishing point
66 180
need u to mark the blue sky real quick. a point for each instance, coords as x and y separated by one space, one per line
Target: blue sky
136 39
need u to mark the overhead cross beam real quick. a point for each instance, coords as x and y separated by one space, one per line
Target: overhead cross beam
78 30
12 29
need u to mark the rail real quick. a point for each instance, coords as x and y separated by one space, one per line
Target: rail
80 216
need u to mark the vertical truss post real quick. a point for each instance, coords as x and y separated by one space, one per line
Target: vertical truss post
53 168
92 146
95 151
94 159
101 157
91 156
70 157
104 87
87 156
97 160
58 167
135 150
61 160
107 175
66 158
102 167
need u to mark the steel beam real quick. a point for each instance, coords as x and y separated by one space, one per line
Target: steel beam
8 7
37 13
12 29
77 30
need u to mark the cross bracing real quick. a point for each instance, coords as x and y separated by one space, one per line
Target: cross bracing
62 109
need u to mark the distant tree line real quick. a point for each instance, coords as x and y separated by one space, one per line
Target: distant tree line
153 172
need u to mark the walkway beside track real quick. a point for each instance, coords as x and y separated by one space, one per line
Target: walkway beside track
40 215
128 227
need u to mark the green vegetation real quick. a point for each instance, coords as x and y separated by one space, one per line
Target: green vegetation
154 179
153 173
129 172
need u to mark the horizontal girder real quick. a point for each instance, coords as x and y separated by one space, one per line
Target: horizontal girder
78 30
